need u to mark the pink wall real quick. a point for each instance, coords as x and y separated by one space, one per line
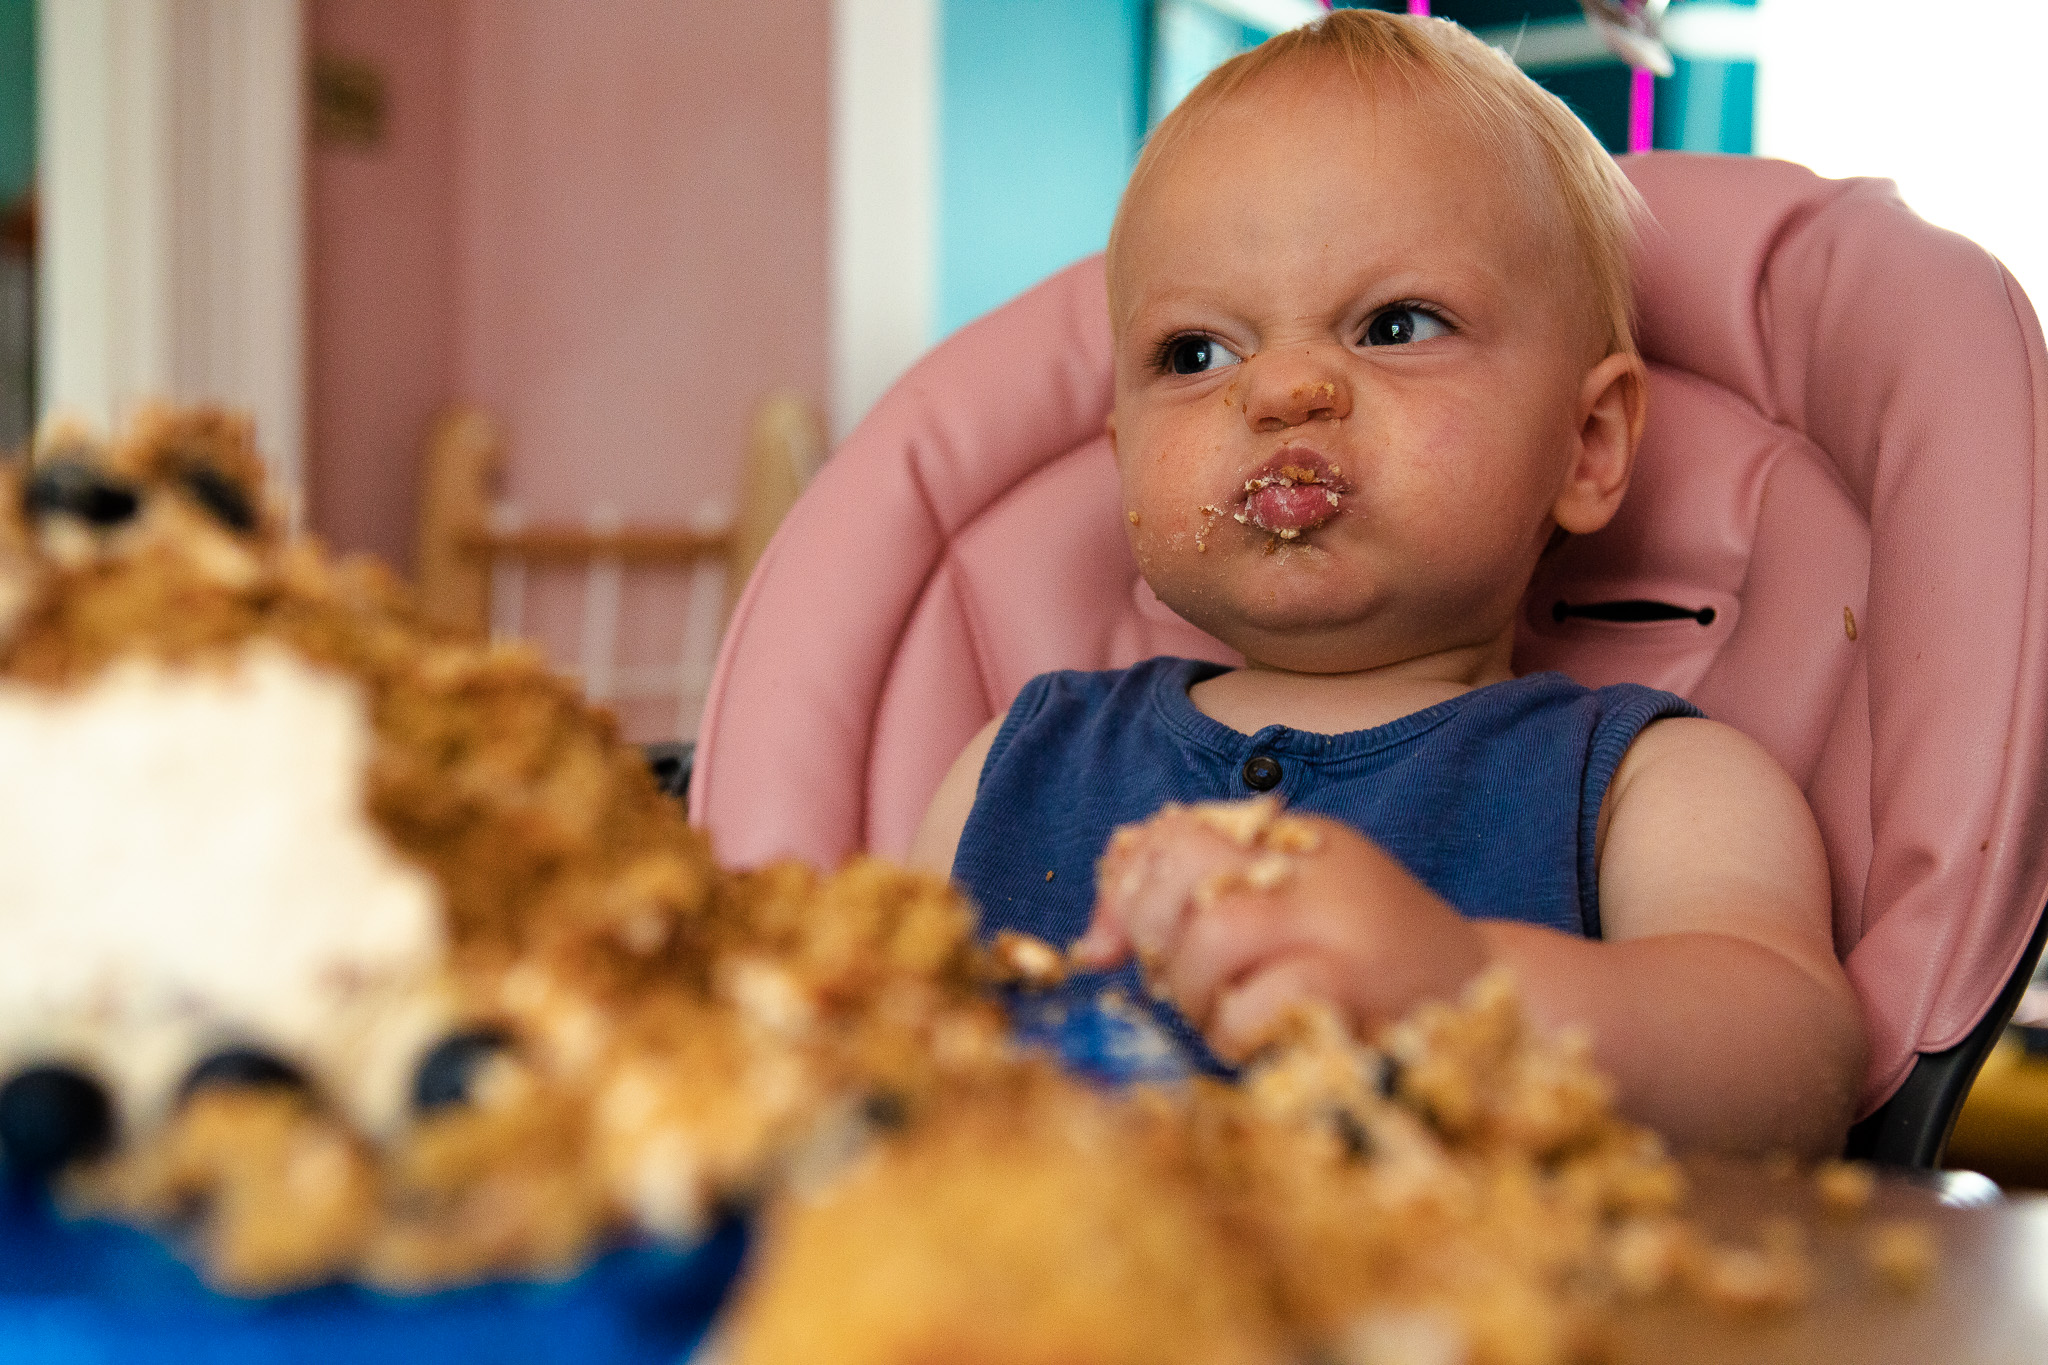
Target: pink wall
382 278
607 224
642 200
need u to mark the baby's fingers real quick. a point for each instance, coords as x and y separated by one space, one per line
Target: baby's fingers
1117 876
1105 944
1255 1012
1144 887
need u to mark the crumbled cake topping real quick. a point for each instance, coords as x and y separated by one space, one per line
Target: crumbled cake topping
645 1038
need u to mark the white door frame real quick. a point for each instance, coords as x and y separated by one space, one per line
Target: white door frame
171 165
885 56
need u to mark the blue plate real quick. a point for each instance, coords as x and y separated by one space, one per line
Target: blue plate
87 1292
94 1293
1106 1034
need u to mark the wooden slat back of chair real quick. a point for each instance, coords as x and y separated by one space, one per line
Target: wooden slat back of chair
464 456
784 449
457 545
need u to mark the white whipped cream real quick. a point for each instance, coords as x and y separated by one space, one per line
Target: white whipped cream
186 859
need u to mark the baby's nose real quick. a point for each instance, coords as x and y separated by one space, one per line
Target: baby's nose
1294 388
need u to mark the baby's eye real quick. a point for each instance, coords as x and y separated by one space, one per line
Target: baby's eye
1195 354
1403 324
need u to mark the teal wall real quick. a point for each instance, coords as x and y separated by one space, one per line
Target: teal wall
1042 107
17 98
1707 106
1040 118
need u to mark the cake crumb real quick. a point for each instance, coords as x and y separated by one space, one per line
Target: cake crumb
1844 1187
1649 1255
1268 871
1244 823
1901 1253
1292 834
1849 623
1023 960
1772 1277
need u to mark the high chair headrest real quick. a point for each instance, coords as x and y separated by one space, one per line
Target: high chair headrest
1848 418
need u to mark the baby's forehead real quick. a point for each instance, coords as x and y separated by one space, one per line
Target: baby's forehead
1370 127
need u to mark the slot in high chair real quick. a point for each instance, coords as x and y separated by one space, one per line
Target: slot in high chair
1837 541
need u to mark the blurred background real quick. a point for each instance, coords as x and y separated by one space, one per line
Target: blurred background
661 252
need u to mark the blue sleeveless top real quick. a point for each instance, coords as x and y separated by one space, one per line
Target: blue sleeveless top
1492 799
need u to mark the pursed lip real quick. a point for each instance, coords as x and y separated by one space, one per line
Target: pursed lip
1297 489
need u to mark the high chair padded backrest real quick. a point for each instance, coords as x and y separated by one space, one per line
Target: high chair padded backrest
1844 457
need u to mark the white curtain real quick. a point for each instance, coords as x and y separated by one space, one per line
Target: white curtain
1948 99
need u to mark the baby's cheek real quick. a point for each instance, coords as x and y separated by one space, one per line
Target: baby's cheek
1140 534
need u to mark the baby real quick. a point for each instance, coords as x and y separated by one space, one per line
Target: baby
1369 296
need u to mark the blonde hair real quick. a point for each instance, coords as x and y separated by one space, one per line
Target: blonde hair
1518 120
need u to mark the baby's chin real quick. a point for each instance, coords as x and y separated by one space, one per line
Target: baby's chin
1310 631
1304 631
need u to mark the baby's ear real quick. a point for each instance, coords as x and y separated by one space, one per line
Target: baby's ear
1612 404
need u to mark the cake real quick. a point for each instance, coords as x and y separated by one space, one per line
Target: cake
343 950
374 946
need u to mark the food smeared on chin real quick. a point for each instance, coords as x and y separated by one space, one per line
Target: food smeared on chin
1295 491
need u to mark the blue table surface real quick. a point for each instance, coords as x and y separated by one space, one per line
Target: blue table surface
87 1292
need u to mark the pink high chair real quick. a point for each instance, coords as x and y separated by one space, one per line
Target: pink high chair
1835 541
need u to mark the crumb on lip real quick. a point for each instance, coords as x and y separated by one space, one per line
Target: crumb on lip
1287 476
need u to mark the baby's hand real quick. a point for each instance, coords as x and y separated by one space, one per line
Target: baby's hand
1238 913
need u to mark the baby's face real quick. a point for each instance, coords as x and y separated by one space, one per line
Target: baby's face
1350 358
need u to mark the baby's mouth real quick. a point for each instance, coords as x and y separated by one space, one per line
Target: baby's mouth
1295 491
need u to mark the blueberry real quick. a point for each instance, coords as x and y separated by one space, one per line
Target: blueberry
735 1206
885 1110
242 1068
451 1066
73 488
1351 1133
52 1115
671 763
227 500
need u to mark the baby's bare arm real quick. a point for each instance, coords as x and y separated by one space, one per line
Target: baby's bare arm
1714 999
938 837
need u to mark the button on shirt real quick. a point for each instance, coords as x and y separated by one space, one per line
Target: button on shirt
1491 799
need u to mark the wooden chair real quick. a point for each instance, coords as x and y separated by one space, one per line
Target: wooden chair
469 550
